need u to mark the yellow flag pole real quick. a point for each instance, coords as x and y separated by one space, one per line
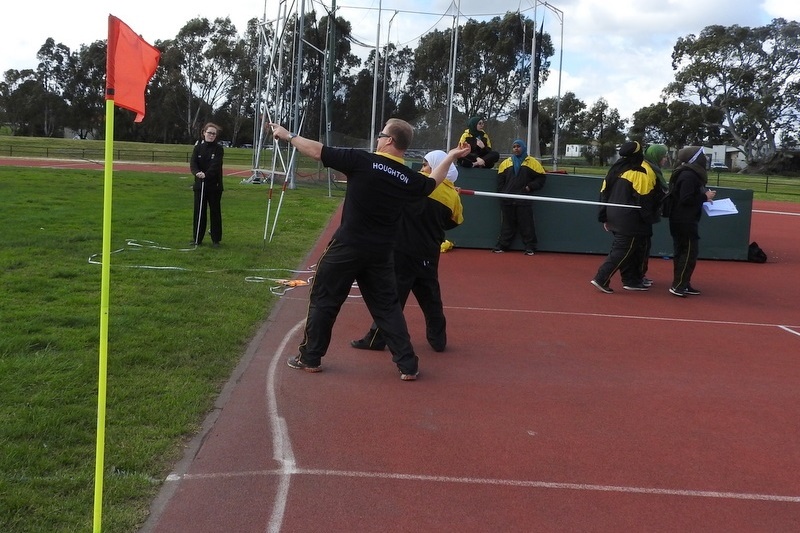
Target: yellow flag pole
104 290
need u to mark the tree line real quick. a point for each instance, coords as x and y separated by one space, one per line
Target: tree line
732 85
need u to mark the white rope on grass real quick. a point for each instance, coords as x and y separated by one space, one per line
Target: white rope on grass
283 284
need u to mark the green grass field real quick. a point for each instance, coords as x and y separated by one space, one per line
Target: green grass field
179 321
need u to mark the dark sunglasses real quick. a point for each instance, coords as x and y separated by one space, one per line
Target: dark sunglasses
382 135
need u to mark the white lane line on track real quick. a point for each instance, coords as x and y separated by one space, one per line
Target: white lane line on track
630 317
281 444
790 330
776 212
725 495
605 315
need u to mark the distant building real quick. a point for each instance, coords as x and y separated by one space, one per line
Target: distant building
72 134
575 150
732 157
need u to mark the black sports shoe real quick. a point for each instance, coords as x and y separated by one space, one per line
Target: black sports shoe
602 288
409 377
296 362
368 342
678 292
692 290
530 252
647 282
498 250
635 287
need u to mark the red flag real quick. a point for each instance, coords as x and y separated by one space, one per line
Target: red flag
130 64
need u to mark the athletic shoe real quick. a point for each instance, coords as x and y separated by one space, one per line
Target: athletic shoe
498 250
635 287
529 252
692 290
409 377
602 288
678 292
367 344
647 282
296 362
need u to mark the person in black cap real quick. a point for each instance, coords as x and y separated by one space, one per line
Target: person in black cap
627 182
688 193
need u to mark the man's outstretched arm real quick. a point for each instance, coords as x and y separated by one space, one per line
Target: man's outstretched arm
307 147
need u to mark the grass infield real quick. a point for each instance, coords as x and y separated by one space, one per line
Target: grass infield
179 321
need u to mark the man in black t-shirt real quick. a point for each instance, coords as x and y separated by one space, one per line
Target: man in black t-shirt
379 185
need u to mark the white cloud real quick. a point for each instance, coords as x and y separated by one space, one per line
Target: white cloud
616 49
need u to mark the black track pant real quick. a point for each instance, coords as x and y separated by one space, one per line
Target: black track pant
515 218
626 256
339 266
207 203
421 277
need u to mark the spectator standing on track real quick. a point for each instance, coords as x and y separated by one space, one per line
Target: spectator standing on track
627 182
206 166
481 154
416 255
523 175
379 185
655 157
688 192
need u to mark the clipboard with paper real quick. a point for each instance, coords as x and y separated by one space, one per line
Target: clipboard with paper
719 208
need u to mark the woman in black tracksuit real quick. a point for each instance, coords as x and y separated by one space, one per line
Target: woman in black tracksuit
688 192
206 166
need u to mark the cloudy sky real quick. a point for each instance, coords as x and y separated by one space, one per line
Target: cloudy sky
616 49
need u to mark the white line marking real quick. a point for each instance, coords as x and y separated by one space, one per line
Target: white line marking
776 212
515 483
281 445
790 330
604 315
630 317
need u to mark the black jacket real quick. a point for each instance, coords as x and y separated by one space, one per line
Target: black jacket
688 195
207 157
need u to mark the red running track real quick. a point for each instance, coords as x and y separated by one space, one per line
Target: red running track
554 408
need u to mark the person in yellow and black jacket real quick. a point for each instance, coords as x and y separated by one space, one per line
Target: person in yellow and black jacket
416 255
628 182
481 154
519 174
